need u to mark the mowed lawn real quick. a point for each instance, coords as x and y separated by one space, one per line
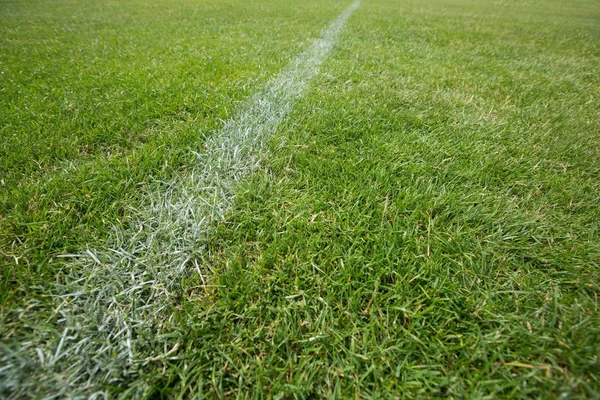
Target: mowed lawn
426 222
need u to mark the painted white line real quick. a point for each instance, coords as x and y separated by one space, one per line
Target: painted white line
111 317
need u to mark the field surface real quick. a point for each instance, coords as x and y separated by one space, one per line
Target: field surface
411 207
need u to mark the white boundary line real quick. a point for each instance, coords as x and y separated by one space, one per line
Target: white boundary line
113 306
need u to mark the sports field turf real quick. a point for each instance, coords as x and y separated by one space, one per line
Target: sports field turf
424 220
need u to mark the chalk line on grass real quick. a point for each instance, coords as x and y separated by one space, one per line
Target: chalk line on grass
111 314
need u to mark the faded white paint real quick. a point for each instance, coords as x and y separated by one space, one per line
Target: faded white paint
114 304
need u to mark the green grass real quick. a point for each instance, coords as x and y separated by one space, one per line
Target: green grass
98 99
427 222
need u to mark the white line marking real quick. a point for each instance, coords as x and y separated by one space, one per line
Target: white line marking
112 310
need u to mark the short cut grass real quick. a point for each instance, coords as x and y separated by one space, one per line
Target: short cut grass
426 223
